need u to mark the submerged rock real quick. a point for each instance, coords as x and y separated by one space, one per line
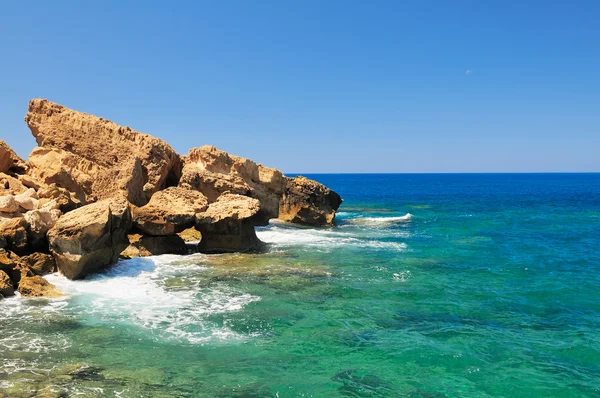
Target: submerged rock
228 225
144 246
170 211
91 237
101 157
308 202
214 172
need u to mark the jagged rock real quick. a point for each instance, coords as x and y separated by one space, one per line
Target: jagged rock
116 158
36 286
170 211
39 263
190 235
91 237
10 185
27 200
39 223
6 285
9 160
66 200
29 181
228 225
8 204
214 172
12 265
308 202
144 246
14 232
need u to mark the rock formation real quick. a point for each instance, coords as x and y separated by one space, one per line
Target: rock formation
308 202
36 286
144 246
100 157
228 225
9 160
91 237
214 172
169 211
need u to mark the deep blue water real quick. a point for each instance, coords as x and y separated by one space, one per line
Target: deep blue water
491 288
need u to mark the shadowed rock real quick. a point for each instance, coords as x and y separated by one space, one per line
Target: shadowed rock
10 162
308 202
91 237
144 246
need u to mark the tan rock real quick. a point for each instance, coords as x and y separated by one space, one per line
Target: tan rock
8 204
14 232
109 149
144 246
39 263
66 200
90 238
36 286
6 285
10 185
10 161
27 200
308 202
228 225
40 222
214 172
190 235
169 211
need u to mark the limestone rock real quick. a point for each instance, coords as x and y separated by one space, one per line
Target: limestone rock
12 265
91 237
65 200
27 200
308 202
190 235
8 204
6 285
14 232
214 172
10 161
36 286
169 211
39 263
144 246
228 225
108 153
10 185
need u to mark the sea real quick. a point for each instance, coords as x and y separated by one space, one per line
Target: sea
428 286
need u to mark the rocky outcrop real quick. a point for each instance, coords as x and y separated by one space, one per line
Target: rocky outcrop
170 211
14 232
97 158
144 246
6 286
10 162
214 172
65 200
308 202
228 225
36 286
91 237
10 185
39 263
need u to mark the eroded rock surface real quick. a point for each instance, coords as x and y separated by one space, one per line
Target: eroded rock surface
10 162
308 202
228 225
169 211
144 246
100 157
214 172
36 286
91 237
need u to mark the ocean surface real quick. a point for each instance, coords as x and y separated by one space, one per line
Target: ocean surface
489 288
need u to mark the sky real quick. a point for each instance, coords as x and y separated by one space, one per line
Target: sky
321 86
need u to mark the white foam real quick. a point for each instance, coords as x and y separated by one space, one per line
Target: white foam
381 221
136 291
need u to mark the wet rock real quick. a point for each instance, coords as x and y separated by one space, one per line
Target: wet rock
36 286
144 246
6 286
40 263
214 172
228 225
308 202
90 238
105 151
170 211
12 265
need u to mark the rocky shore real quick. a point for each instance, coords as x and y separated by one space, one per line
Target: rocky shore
92 192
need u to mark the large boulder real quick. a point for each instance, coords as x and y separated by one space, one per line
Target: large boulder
14 232
65 200
90 238
170 211
144 246
308 202
214 172
10 162
102 158
228 225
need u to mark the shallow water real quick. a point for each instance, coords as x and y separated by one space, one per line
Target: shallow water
490 289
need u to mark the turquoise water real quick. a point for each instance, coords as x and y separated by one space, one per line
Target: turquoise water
490 289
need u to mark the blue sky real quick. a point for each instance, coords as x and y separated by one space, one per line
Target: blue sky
321 86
